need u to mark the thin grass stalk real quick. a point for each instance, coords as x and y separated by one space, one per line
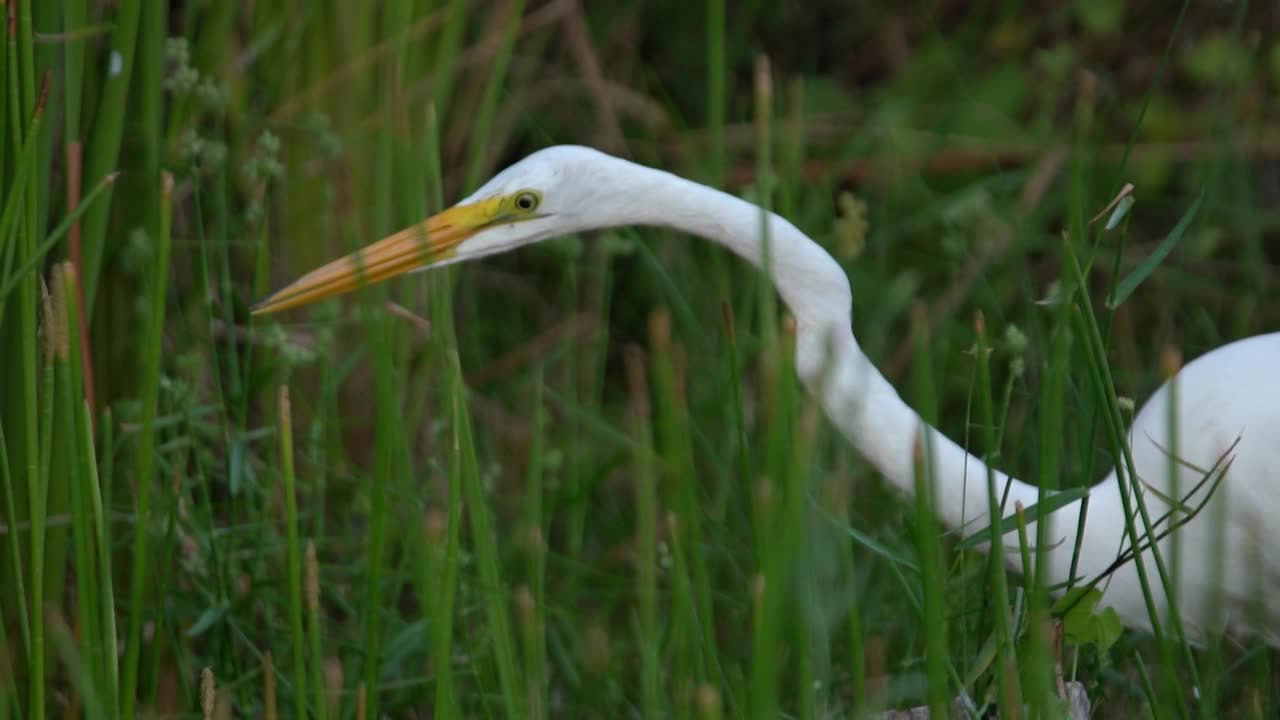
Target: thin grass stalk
445 541
526 613
108 464
973 596
447 50
154 205
769 583
270 706
767 302
1040 644
683 649
1215 672
258 286
443 553
1261 665
435 571
83 682
110 659
446 556
793 148
386 425
104 140
716 75
1127 497
414 171
675 436
7 689
284 424
102 541
13 214
782 502
673 474
387 389
15 547
1170 365
152 356
589 289
1024 537
857 643
736 408
74 17
1132 496
23 411
716 108
165 627
477 152
75 14
312 592
38 499
573 393
646 499
1087 326
1001 619
535 645
486 549
235 394
1096 343
383 163
763 697
6 70
54 237
809 636
68 389
928 543
1077 223
27 62
204 466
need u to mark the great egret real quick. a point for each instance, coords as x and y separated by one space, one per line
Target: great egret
1228 400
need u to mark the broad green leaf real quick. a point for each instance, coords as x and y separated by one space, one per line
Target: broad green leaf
1083 623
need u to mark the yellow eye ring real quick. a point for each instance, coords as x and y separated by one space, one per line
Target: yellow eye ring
526 201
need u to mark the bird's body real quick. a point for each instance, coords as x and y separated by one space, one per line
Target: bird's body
1227 408
1231 394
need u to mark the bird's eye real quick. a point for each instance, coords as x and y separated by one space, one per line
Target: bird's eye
526 201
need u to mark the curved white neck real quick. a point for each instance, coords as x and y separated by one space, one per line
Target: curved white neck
855 395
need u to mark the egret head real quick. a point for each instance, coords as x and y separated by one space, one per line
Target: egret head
551 192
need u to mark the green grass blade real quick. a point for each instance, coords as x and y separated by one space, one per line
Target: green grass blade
104 141
927 535
294 554
56 235
646 505
15 548
1051 504
152 360
485 544
716 75
477 152
1131 281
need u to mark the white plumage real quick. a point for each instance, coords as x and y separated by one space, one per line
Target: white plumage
1228 400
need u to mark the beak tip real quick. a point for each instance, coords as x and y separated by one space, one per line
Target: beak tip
261 307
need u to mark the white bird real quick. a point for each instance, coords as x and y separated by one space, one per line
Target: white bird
1228 401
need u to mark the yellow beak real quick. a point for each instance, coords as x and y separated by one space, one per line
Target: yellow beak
413 248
